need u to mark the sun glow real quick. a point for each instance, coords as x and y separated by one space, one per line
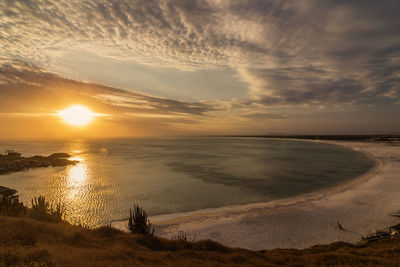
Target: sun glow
77 115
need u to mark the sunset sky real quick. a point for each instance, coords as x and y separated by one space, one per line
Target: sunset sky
156 68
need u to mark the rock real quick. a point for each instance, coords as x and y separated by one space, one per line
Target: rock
59 156
15 164
62 162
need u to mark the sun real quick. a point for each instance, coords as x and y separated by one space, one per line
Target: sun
77 115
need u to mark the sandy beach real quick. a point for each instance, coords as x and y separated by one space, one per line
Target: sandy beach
361 206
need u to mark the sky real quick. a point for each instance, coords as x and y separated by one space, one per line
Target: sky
209 67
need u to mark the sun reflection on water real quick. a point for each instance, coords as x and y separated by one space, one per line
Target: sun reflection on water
77 178
78 173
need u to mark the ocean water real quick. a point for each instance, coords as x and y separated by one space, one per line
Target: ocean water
177 175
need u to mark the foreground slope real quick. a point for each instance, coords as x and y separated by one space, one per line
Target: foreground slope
28 242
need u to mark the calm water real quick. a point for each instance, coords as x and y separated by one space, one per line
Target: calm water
177 175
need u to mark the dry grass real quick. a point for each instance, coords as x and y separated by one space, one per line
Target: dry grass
28 242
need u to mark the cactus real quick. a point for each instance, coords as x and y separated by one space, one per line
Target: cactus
40 204
58 212
41 209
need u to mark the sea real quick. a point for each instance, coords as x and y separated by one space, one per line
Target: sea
177 175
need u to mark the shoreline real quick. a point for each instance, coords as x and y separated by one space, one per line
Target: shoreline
319 194
231 225
182 216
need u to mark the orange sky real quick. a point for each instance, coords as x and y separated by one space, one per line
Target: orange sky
162 68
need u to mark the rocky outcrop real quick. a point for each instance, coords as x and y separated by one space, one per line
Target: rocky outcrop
14 164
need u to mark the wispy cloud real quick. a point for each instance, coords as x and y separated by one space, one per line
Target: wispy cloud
289 52
259 116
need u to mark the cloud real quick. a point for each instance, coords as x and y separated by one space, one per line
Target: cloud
25 88
265 116
289 52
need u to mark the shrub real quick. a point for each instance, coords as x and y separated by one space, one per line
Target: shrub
181 235
107 230
139 222
41 209
11 206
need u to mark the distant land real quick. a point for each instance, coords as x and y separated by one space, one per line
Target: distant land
350 137
12 161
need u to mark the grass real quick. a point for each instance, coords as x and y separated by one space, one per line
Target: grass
39 237
26 241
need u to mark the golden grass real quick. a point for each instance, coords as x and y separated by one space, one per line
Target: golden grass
28 242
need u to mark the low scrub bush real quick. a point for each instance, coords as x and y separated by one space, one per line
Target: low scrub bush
11 206
181 235
107 230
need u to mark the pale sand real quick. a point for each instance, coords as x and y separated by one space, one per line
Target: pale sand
361 206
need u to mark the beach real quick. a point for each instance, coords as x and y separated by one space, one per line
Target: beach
361 206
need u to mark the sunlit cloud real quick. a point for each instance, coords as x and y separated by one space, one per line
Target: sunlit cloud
41 86
288 51
286 55
113 111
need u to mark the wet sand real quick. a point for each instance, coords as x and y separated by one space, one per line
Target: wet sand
361 206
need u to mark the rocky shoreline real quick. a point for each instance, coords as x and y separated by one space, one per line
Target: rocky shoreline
13 162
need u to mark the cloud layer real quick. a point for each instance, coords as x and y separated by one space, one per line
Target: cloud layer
28 89
290 52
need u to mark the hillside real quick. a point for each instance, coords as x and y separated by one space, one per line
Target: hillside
29 242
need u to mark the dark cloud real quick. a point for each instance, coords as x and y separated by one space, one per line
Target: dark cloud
289 52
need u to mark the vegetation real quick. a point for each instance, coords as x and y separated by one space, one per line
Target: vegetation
37 236
183 236
10 204
26 241
180 236
139 222
41 209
